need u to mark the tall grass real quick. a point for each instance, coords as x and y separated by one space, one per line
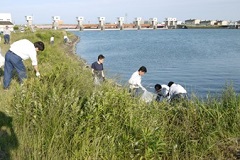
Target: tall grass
63 116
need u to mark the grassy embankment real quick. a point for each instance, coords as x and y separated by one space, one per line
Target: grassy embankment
62 116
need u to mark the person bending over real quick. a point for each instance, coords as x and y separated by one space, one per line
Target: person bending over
176 92
19 51
162 91
135 81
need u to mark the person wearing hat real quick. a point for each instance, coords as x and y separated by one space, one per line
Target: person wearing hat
6 35
19 51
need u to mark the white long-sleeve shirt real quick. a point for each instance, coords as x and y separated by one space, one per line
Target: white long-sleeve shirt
25 49
6 31
52 39
135 81
164 91
176 89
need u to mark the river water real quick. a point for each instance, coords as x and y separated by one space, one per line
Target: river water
201 60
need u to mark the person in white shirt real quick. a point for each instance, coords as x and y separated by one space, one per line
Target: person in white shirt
176 91
162 91
135 81
6 34
52 40
65 38
19 51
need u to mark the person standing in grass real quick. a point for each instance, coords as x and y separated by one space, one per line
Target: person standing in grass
19 51
162 91
2 60
176 92
135 81
97 70
6 34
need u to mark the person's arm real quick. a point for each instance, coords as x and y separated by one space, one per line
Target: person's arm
140 85
103 75
36 69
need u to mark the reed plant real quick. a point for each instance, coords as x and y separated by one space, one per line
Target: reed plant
62 115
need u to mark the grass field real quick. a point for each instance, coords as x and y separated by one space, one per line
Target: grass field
61 115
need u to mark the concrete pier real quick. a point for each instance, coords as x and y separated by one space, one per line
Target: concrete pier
138 22
153 23
80 23
29 20
55 24
101 23
120 22
171 23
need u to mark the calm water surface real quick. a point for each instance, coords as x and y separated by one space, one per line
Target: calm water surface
203 61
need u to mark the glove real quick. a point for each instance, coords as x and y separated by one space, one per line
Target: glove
37 74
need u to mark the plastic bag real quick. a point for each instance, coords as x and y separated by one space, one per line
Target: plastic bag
148 96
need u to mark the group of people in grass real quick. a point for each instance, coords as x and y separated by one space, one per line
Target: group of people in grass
170 92
24 49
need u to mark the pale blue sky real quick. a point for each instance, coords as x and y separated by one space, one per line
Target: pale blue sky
43 10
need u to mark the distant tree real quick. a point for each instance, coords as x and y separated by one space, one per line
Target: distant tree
16 28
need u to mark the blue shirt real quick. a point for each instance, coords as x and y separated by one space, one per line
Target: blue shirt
97 67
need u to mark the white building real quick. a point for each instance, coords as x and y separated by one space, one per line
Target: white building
207 23
192 21
6 20
222 23
5 17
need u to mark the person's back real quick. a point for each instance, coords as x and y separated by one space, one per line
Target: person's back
65 38
52 40
176 91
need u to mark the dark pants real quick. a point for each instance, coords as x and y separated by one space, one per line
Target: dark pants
179 97
6 39
133 92
13 61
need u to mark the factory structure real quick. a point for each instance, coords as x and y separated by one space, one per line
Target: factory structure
137 24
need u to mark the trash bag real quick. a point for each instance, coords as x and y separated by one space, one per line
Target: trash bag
148 96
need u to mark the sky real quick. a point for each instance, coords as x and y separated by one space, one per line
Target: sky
43 10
